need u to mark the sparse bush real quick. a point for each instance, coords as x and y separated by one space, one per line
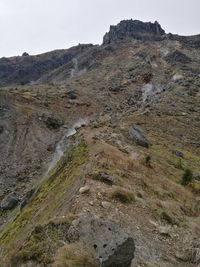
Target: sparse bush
123 196
76 255
147 161
167 217
187 177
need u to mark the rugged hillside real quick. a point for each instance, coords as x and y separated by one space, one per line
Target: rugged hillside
125 187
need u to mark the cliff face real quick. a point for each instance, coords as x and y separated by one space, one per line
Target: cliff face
134 29
146 31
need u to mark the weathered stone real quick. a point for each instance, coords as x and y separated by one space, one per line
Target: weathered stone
178 153
84 189
10 202
113 245
134 29
137 134
104 178
72 94
25 54
105 204
52 123
164 230
197 176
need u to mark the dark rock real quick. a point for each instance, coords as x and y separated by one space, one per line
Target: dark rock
72 94
52 123
113 245
137 134
178 57
134 29
1 129
10 202
28 196
197 176
25 54
178 153
104 178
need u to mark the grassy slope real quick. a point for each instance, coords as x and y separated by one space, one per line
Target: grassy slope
47 200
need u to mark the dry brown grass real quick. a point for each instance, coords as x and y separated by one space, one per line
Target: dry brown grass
75 255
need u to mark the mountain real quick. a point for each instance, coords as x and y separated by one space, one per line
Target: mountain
100 152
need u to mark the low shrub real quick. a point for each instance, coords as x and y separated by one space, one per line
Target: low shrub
75 255
187 177
123 196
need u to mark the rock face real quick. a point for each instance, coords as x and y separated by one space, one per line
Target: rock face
137 134
146 31
134 29
112 244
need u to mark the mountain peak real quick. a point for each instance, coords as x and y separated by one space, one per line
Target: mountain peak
134 29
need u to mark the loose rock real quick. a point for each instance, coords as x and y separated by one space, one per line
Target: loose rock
84 189
137 134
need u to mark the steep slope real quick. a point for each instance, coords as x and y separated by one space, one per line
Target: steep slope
26 69
140 93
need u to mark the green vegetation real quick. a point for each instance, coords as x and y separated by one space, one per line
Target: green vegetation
187 177
147 161
53 190
43 242
123 196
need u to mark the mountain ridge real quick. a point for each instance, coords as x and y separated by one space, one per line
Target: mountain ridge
124 189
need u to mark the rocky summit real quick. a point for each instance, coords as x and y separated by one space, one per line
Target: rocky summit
134 29
100 152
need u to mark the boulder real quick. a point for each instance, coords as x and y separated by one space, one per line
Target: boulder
72 94
137 134
104 177
84 189
10 201
52 123
178 153
197 176
25 54
113 245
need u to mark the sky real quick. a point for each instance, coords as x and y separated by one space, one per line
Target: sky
37 26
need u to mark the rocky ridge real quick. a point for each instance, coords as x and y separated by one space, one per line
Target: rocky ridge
117 179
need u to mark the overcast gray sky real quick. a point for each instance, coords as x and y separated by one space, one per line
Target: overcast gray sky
37 26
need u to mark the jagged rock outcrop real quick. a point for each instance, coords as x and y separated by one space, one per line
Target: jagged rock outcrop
134 29
139 30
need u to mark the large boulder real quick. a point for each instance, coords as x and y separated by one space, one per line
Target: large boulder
137 134
113 245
